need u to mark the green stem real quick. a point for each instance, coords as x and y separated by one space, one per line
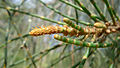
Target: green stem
16 38
111 65
76 13
86 11
81 43
94 17
62 58
110 11
6 39
115 14
69 22
72 5
98 10
28 52
34 15
35 55
84 58
57 11
30 56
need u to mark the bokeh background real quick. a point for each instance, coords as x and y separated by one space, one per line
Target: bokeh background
64 56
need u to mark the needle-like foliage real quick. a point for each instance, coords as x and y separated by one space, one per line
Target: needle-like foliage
78 36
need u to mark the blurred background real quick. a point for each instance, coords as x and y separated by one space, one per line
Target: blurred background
63 56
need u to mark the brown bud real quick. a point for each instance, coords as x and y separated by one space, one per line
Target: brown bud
100 25
113 30
108 31
107 24
66 20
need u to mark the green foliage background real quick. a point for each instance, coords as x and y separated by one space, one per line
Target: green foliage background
14 34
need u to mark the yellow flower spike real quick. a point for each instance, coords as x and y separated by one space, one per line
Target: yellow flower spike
52 30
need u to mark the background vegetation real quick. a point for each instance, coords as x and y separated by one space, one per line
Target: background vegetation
20 50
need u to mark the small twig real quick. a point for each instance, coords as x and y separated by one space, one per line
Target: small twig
57 11
110 11
35 55
6 39
62 58
84 58
98 10
33 15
